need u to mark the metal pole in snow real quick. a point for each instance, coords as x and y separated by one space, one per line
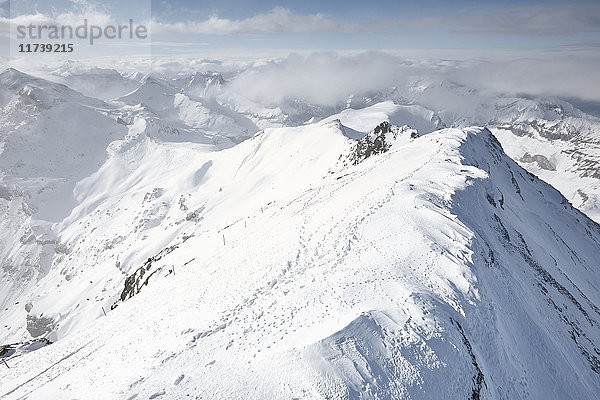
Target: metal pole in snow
173 270
223 240
104 311
5 363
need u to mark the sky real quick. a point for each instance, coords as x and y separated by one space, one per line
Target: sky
187 26
385 24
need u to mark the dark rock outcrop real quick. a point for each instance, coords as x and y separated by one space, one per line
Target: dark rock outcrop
380 140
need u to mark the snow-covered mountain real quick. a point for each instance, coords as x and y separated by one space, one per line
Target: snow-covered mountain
183 116
561 145
102 83
51 137
548 136
355 257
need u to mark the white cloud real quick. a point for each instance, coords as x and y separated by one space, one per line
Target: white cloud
7 23
279 19
76 16
4 8
321 78
268 77
554 74
93 17
329 78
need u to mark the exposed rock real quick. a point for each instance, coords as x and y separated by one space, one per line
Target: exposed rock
122 121
140 278
542 161
583 195
5 193
39 325
155 194
17 349
380 140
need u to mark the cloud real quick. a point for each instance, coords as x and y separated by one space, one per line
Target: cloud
328 79
75 16
4 8
563 75
321 78
454 77
538 20
277 20
7 23
93 16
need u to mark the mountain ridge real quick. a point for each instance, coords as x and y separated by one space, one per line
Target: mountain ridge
374 280
348 258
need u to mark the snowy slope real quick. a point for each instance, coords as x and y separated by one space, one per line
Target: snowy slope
50 138
363 120
562 148
298 263
101 83
437 269
183 116
548 136
533 130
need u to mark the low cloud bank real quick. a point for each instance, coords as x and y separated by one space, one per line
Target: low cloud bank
327 78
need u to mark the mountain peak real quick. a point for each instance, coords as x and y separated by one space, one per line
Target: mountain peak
11 76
